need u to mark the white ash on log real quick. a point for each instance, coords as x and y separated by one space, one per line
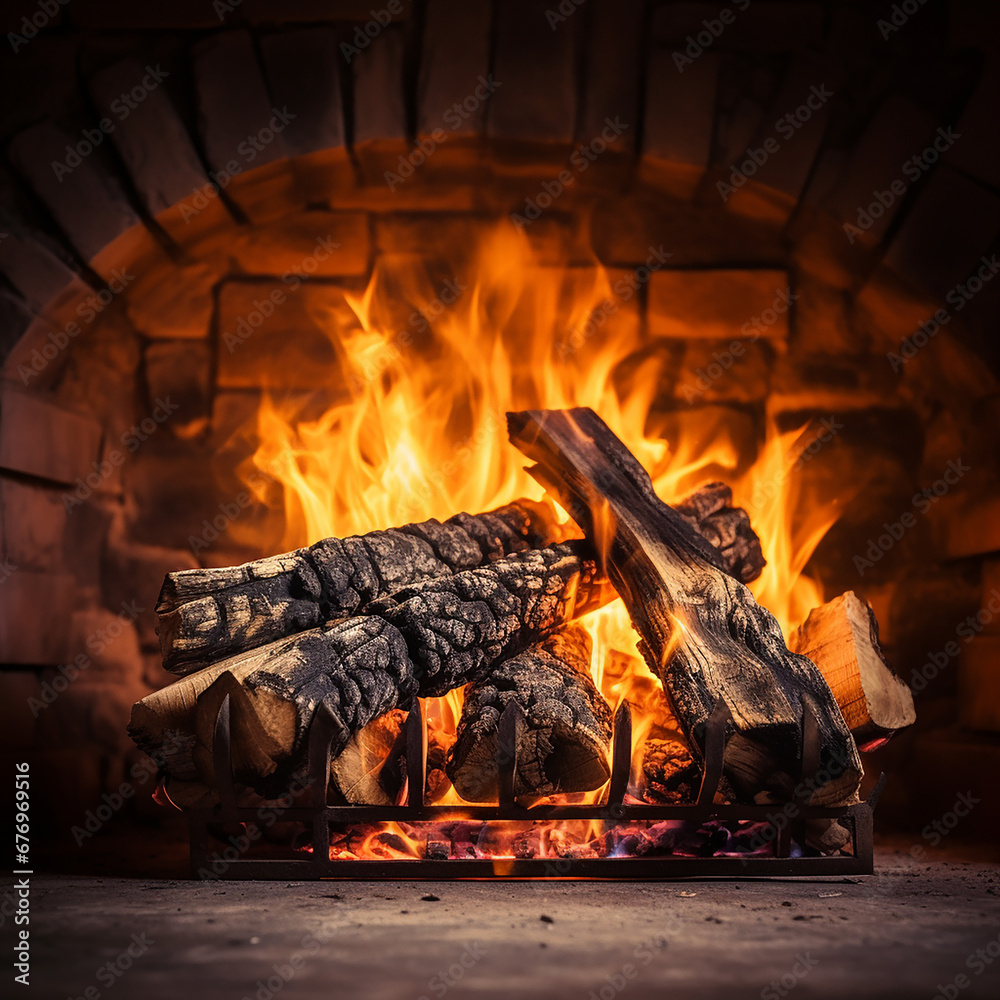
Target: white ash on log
841 638
564 742
426 639
206 615
702 632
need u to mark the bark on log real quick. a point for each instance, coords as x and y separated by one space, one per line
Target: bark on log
206 615
670 773
702 632
567 730
426 639
564 743
841 638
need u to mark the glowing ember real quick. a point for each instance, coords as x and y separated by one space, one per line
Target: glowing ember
416 430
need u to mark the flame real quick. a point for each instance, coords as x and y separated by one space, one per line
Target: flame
432 356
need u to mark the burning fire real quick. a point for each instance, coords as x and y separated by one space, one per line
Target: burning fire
417 429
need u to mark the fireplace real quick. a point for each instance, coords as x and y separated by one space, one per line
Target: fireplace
275 276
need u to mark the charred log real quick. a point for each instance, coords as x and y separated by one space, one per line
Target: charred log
702 632
206 615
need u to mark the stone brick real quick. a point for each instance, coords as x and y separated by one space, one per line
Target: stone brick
761 27
979 684
536 97
36 268
302 73
680 112
946 235
88 204
107 643
294 245
717 304
173 302
32 525
42 439
36 617
133 572
17 724
233 101
821 320
379 111
808 79
611 81
455 53
723 371
971 526
978 153
179 369
292 11
274 335
898 131
151 139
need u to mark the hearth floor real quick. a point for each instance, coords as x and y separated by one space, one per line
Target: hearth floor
904 932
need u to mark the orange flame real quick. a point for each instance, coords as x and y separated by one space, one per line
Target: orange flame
418 430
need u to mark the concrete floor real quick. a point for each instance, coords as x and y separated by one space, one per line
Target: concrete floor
903 932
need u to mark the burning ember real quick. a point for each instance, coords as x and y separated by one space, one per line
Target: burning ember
478 612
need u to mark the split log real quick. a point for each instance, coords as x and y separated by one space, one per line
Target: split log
206 615
841 638
428 639
565 740
702 632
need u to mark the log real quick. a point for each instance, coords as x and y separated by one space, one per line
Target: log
368 769
426 639
206 615
701 630
841 638
564 742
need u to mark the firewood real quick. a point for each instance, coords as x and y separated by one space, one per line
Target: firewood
841 638
563 744
565 738
702 632
368 769
206 615
427 639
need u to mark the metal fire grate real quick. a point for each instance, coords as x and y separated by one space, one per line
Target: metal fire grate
322 814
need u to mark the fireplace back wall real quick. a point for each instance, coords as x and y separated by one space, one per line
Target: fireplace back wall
192 197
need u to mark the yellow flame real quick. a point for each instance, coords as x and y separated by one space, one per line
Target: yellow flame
416 428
